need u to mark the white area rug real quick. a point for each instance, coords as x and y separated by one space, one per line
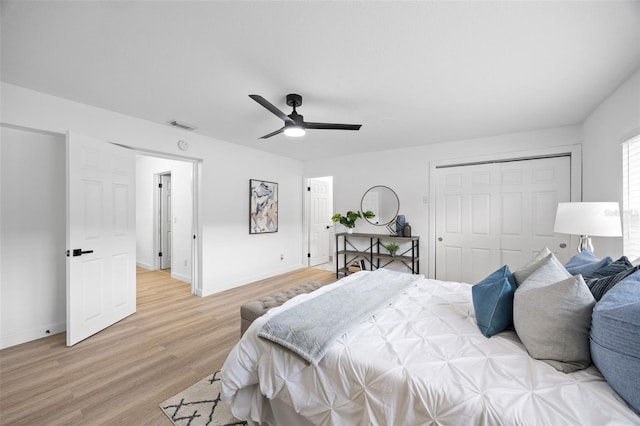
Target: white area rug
200 405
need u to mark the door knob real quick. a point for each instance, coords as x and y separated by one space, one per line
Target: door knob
79 252
439 238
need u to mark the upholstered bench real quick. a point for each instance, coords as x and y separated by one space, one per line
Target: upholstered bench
252 310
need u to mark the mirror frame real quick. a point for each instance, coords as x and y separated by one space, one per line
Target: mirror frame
373 218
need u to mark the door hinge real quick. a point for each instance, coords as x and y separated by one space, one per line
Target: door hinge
160 254
308 254
160 185
309 188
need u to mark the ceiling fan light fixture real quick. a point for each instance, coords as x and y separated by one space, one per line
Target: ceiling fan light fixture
294 124
294 131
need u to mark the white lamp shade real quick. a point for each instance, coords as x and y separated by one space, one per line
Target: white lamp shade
593 219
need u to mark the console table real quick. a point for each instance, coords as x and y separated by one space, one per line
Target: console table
370 248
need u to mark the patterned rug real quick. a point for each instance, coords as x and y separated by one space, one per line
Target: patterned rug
200 405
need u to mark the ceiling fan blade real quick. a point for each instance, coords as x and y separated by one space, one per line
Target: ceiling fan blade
274 110
273 133
332 126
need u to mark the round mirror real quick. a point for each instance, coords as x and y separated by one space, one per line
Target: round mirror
383 202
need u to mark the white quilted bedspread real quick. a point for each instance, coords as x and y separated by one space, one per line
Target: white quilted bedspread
419 361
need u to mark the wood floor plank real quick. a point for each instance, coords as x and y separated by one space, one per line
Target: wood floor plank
120 375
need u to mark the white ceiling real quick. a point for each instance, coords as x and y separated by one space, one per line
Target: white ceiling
412 73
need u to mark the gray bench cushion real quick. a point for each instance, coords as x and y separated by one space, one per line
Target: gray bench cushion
252 310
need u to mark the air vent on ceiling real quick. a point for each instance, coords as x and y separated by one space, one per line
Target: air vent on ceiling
183 126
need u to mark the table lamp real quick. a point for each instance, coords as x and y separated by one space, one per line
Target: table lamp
588 219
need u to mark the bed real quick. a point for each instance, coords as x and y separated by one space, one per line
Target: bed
419 360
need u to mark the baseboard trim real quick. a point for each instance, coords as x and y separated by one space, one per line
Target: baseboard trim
181 277
34 333
250 279
145 265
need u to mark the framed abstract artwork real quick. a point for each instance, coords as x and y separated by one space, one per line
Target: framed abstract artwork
263 206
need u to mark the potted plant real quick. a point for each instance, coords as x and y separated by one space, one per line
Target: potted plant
393 248
349 221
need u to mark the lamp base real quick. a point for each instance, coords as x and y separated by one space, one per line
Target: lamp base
585 244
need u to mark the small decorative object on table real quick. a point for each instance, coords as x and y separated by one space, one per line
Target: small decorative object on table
349 221
406 230
356 265
400 222
391 227
393 248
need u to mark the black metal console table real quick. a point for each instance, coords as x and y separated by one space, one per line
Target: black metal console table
370 251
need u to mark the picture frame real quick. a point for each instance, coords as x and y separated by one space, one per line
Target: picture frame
263 206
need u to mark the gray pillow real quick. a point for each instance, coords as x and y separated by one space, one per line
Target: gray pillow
553 321
521 274
545 271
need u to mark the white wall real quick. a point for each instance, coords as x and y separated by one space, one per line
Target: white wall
406 171
616 120
229 255
182 213
32 226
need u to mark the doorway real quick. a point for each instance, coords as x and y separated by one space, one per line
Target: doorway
319 207
44 193
166 215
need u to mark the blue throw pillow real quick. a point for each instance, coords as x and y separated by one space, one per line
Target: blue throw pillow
611 269
586 263
583 257
493 301
599 286
615 338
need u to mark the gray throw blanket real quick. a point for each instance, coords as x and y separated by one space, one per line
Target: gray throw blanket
309 328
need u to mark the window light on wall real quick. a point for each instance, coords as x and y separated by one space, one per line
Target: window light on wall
631 197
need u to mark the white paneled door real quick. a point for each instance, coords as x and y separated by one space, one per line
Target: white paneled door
489 215
101 237
319 221
166 215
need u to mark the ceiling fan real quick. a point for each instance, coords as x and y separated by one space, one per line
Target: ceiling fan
294 124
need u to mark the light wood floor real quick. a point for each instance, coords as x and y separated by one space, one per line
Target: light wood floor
120 375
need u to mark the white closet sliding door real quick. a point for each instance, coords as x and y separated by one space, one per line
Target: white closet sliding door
488 215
